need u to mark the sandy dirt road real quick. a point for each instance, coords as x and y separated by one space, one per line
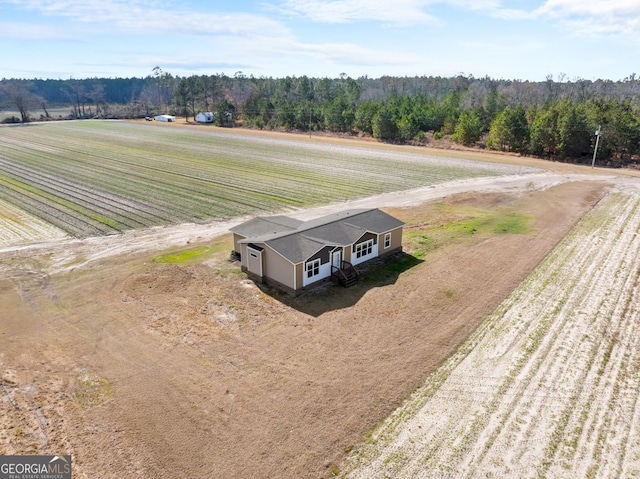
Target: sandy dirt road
68 253
136 367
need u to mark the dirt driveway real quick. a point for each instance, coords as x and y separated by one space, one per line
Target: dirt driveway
140 368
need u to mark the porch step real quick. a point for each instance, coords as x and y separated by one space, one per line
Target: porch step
346 275
350 282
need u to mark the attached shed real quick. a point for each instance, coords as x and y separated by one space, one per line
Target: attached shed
165 118
294 255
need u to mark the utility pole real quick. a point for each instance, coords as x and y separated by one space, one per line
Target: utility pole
595 150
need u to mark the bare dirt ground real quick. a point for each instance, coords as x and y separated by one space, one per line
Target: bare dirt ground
145 369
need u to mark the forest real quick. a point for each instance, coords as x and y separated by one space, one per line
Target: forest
558 119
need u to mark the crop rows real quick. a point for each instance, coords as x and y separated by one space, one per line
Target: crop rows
548 386
97 177
17 226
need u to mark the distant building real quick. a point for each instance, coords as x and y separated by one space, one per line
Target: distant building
293 255
205 117
165 118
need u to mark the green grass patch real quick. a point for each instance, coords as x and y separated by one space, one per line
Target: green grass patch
420 243
388 269
189 256
490 221
449 223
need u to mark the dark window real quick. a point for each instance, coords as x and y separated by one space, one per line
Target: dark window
363 249
313 268
387 240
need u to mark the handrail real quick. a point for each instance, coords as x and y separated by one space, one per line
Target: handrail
344 272
340 271
349 267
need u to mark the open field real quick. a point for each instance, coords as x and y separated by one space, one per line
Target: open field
548 385
138 352
18 226
91 178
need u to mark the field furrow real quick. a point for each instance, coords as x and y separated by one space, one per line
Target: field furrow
548 386
17 226
127 175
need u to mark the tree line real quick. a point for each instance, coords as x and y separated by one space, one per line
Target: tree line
555 119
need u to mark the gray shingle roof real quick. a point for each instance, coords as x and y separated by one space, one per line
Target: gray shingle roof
299 243
263 225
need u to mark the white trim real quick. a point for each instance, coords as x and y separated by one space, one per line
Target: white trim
311 266
365 245
324 271
384 242
336 251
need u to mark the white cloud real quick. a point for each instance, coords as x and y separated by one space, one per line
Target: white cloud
144 16
403 12
346 11
595 16
28 31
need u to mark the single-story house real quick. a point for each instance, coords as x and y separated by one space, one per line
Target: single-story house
293 254
165 118
205 117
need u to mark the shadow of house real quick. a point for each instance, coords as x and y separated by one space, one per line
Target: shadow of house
296 256
328 296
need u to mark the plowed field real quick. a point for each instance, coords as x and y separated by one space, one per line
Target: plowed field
149 354
93 178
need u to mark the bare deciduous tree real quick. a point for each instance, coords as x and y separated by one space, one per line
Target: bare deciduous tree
19 96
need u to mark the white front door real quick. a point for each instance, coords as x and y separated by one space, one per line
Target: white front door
336 258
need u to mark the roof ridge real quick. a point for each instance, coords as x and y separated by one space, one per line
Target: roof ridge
336 218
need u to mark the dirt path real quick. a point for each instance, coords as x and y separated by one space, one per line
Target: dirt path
69 253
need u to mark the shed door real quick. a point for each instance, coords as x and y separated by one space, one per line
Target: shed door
254 261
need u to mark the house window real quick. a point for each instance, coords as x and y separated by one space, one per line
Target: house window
363 249
313 268
387 240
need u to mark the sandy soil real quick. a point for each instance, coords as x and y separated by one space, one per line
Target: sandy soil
547 386
145 369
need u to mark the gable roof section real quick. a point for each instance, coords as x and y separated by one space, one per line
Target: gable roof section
338 229
296 248
266 225
375 221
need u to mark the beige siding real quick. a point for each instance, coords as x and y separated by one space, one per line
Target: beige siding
396 241
243 254
299 275
236 246
277 268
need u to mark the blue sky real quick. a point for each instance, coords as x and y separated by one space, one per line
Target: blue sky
509 39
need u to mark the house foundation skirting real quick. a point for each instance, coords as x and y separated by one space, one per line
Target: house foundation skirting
387 253
293 292
256 278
